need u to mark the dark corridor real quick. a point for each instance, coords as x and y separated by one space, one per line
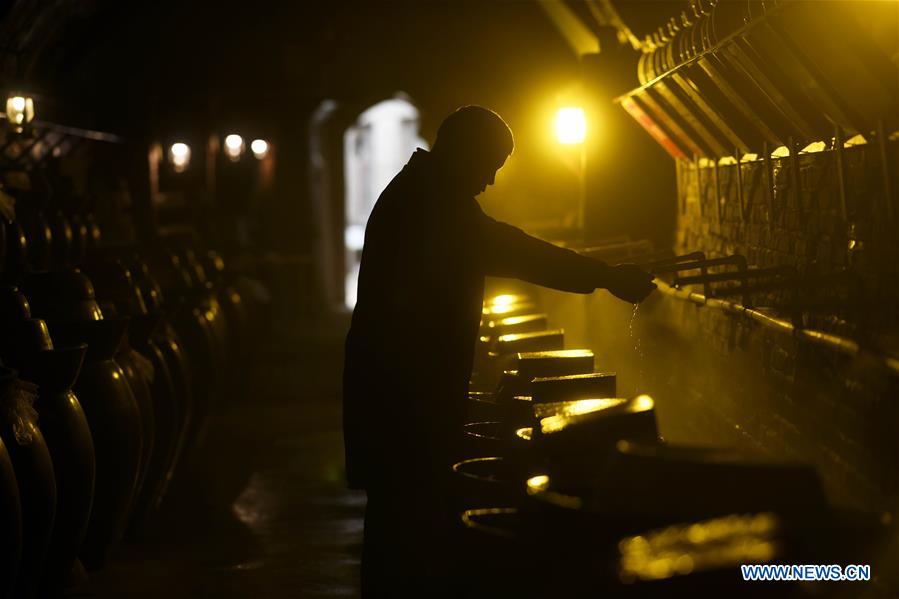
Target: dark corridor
456 298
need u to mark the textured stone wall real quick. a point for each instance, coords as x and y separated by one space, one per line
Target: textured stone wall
792 212
727 380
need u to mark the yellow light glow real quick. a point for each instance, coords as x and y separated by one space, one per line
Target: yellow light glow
815 146
701 546
19 110
503 300
513 320
179 155
259 148
234 146
780 152
571 125
538 483
643 403
511 337
553 424
577 407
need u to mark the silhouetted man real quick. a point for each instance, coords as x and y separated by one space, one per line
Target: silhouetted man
428 247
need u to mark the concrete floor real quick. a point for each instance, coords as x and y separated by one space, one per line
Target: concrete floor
261 509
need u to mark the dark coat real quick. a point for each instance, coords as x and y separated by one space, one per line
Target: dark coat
411 344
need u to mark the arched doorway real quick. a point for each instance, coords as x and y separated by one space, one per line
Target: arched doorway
376 147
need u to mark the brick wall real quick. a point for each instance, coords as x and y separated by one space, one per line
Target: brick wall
724 379
791 212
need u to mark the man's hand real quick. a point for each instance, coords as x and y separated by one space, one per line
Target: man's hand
630 283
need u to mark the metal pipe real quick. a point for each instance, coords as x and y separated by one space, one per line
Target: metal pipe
699 195
691 257
703 265
743 208
794 177
769 184
828 340
841 169
735 260
717 195
720 277
885 170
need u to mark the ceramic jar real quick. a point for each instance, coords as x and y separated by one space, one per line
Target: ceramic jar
33 468
66 300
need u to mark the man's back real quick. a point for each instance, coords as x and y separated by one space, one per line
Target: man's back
410 345
427 249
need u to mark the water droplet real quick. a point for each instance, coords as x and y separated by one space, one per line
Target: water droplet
638 348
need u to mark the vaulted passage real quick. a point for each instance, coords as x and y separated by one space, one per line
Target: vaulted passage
476 299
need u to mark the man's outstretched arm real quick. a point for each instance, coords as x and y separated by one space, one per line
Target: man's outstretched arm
510 252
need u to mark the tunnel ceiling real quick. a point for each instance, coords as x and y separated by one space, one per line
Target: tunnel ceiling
169 64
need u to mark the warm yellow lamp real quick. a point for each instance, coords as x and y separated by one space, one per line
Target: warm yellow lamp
571 125
259 148
179 155
19 111
234 146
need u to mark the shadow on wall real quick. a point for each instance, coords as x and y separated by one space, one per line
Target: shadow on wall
725 380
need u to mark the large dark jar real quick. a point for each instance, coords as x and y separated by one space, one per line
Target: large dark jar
10 524
27 347
115 423
33 468
68 436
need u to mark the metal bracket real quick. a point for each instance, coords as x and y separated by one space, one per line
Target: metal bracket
886 171
841 169
769 184
717 195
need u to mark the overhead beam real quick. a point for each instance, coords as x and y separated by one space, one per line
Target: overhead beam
580 38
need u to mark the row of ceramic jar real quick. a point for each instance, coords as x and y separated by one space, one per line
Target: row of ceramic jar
48 225
110 374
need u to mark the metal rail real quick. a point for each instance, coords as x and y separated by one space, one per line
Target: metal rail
831 341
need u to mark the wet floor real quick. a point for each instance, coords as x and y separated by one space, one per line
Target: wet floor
261 510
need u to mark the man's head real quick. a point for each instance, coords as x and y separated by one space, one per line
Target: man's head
472 144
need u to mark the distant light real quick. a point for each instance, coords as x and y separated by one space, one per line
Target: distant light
259 148
19 111
525 433
644 402
538 483
503 300
234 146
780 152
179 155
571 125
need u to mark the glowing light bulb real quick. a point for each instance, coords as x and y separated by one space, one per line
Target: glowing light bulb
234 146
538 483
179 155
571 125
19 111
503 300
643 403
259 148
